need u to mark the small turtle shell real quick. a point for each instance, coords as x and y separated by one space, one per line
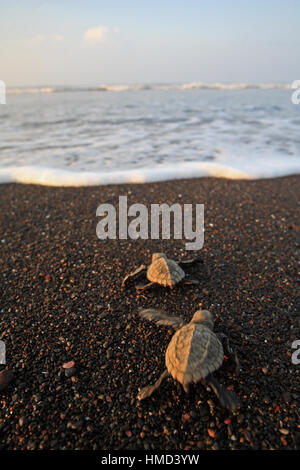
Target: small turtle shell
193 353
165 271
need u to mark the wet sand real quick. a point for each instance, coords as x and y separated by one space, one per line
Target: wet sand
62 300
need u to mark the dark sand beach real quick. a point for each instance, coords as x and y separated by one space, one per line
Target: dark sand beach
62 300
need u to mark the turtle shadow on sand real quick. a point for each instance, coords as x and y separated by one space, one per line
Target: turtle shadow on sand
193 354
163 271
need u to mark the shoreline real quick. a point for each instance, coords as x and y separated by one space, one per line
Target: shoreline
62 300
58 177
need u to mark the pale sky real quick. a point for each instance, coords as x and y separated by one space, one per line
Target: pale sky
92 42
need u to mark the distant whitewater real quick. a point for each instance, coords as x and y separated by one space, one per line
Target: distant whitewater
166 87
67 136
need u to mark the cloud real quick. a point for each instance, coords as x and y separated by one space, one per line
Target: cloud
95 35
57 37
42 38
39 39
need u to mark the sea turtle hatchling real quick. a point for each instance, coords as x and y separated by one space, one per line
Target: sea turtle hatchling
193 354
163 271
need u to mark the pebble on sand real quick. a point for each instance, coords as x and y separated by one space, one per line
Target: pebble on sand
6 377
68 365
70 371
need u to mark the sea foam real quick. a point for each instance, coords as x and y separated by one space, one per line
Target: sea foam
187 170
81 139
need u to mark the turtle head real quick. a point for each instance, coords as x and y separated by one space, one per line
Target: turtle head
204 317
156 256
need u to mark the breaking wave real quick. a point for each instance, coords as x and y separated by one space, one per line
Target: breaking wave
186 170
166 87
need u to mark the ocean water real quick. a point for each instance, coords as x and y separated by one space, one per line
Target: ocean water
116 134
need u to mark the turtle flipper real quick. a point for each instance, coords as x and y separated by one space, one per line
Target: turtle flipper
227 398
230 353
134 273
190 281
147 391
190 262
160 317
141 287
